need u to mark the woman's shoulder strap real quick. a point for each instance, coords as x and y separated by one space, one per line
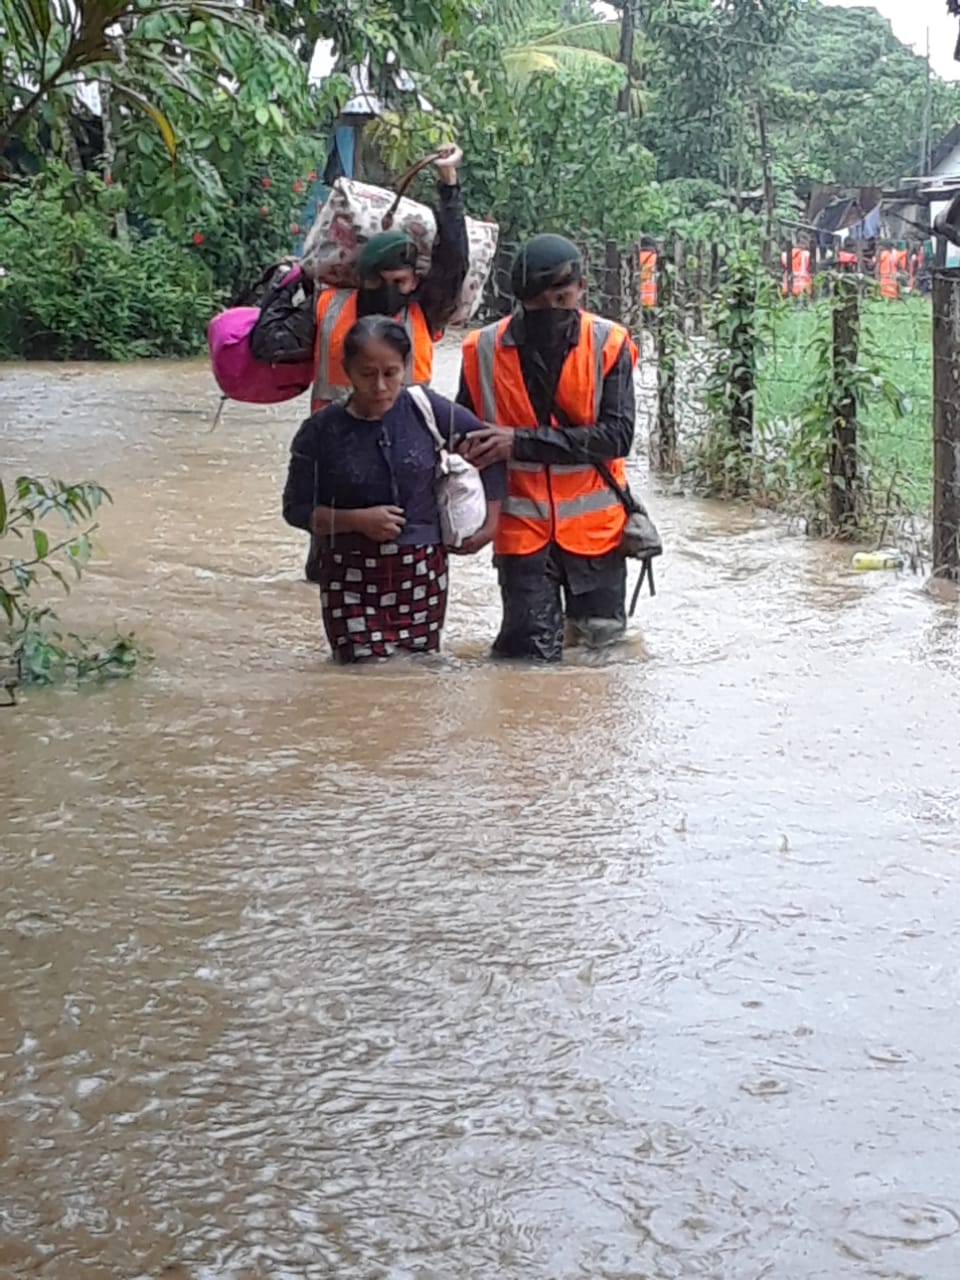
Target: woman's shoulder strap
424 406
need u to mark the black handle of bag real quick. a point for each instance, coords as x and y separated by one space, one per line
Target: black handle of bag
627 500
403 184
646 572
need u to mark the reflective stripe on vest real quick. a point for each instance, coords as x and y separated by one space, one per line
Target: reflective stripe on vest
569 503
525 508
336 315
529 509
324 386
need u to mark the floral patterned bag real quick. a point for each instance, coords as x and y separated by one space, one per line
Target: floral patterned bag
355 211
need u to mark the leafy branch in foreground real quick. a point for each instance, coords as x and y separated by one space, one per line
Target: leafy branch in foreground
34 649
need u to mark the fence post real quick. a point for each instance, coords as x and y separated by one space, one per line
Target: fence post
743 375
633 300
946 424
698 289
666 459
680 298
843 453
612 285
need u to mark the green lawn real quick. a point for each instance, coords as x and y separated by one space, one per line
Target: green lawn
899 334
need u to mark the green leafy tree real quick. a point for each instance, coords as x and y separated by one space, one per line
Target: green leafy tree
52 47
849 101
552 154
707 70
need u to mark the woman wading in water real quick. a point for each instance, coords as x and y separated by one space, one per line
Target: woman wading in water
362 480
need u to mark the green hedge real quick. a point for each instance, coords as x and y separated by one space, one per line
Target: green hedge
71 291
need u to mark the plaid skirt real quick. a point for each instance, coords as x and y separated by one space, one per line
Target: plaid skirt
375 603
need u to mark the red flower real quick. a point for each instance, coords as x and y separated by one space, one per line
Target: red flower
265 211
297 187
312 175
266 183
294 228
108 179
198 238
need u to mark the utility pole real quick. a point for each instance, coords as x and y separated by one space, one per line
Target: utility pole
927 108
769 198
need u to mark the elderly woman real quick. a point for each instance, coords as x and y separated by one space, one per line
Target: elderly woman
362 480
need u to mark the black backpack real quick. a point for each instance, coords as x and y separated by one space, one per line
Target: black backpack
286 330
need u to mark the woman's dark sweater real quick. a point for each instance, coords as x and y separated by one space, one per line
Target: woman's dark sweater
339 461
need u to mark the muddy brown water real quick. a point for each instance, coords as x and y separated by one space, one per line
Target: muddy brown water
629 971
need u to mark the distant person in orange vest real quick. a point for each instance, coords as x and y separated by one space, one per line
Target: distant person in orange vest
800 270
888 265
648 273
389 286
558 384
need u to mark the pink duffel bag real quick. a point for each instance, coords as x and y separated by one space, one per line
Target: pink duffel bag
238 375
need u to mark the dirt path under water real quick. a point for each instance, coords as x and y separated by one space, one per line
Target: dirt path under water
460 971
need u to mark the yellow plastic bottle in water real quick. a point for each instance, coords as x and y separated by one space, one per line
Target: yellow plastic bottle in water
864 561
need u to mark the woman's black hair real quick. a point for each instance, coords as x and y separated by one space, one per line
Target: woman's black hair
376 329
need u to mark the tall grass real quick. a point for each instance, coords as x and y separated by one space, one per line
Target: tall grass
896 342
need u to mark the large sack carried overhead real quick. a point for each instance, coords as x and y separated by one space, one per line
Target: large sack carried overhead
483 237
355 212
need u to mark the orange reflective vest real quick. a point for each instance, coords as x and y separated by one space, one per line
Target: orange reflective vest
887 267
336 316
648 277
570 505
802 280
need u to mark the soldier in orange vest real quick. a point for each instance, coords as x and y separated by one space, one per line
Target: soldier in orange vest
799 270
390 286
888 266
558 384
648 272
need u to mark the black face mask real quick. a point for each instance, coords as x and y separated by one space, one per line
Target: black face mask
548 329
384 300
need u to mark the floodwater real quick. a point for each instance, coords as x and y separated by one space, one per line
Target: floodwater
623 971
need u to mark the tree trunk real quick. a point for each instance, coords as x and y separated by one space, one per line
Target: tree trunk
769 197
844 484
628 27
109 156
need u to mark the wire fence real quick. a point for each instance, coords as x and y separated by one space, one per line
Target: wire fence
833 394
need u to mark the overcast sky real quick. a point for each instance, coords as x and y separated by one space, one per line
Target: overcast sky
910 20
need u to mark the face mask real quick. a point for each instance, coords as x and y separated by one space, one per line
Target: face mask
546 330
385 300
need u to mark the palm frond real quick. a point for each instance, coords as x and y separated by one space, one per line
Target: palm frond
551 58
